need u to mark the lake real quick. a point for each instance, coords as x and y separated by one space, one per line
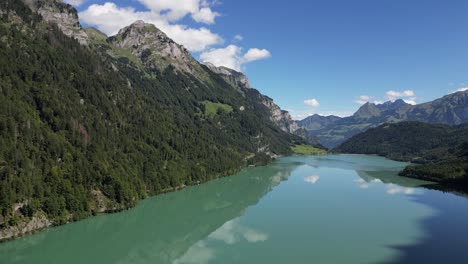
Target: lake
305 209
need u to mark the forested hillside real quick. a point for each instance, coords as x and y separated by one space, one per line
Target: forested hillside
441 150
84 131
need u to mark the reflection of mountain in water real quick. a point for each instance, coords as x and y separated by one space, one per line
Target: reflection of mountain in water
159 230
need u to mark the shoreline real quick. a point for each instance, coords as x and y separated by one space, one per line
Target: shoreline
13 234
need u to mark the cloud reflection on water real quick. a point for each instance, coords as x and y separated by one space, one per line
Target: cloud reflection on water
230 233
312 179
391 188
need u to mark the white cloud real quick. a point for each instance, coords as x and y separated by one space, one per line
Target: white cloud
109 18
75 3
312 179
460 90
363 99
173 10
205 15
337 113
392 95
377 102
256 54
312 102
238 38
232 57
408 96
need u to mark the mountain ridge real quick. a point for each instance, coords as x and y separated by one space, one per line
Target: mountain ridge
451 109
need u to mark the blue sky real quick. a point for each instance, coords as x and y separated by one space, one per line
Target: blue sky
339 53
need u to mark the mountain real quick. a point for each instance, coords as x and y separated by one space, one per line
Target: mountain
90 123
442 150
61 14
451 109
237 79
317 122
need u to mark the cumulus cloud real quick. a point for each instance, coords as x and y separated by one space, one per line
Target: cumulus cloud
232 56
173 10
109 18
312 179
408 96
75 3
205 15
362 99
256 54
312 102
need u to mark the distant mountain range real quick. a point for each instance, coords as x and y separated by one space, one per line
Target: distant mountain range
331 131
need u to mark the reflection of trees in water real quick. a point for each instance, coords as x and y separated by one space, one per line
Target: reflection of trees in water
355 162
390 177
159 230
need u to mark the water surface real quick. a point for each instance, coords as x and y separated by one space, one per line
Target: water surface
328 209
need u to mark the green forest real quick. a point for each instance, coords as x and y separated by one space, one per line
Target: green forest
76 133
439 152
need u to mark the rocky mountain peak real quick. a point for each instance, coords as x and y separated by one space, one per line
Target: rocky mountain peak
153 47
233 77
280 117
389 105
367 110
62 14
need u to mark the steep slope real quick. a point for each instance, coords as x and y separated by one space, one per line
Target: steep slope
93 127
442 149
451 109
280 117
237 79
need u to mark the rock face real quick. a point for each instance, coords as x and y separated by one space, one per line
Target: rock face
37 222
280 117
451 109
64 15
154 48
231 76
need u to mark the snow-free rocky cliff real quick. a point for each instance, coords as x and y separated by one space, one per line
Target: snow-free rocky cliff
62 14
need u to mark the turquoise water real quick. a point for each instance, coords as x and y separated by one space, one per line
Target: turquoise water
328 209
